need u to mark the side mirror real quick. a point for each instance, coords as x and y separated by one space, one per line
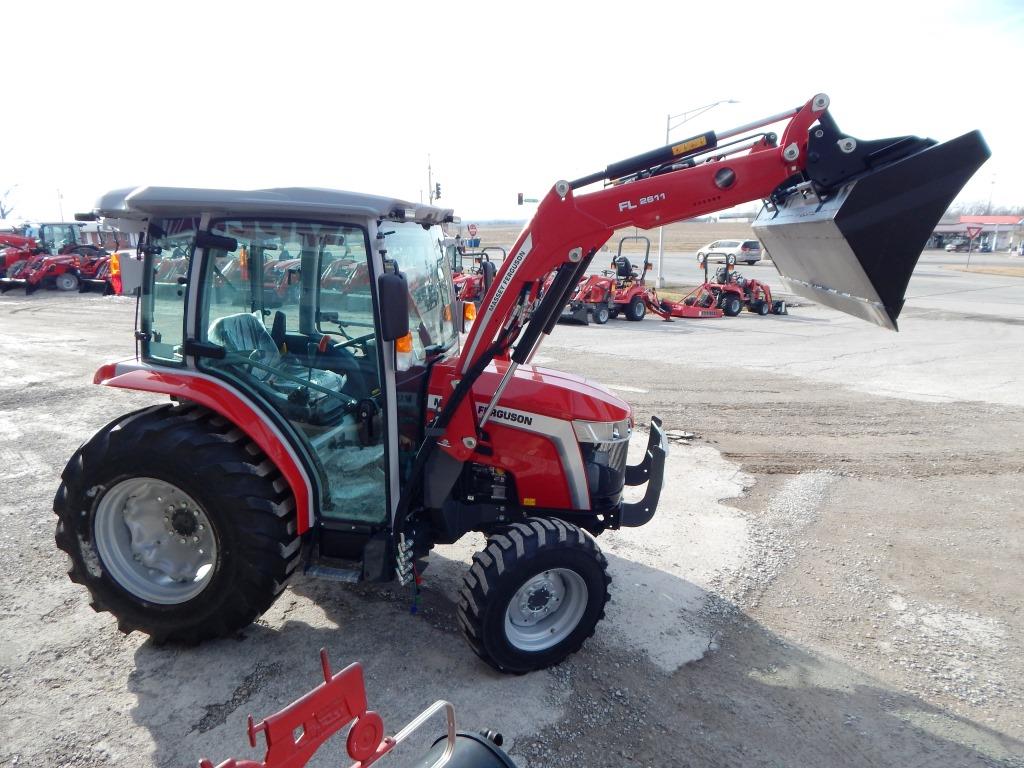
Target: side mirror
393 294
700 259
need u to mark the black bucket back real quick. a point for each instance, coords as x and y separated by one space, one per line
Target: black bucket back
855 249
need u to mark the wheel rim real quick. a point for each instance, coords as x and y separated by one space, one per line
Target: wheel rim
66 282
155 541
546 609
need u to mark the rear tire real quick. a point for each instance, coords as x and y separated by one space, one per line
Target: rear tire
731 304
636 310
601 315
534 595
206 570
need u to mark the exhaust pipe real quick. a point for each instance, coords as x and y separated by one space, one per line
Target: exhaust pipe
853 245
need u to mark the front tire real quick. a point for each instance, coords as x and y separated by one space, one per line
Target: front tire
636 310
534 595
601 315
731 304
177 524
66 282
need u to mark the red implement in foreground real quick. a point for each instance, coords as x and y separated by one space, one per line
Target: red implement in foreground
294 734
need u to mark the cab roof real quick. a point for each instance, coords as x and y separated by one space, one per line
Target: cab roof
309 202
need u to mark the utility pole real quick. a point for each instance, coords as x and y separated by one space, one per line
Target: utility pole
669 126
430 182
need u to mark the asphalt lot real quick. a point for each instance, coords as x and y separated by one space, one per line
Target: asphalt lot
832 579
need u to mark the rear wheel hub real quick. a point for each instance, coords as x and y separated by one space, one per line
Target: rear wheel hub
155 540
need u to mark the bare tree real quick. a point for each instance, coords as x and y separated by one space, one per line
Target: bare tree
6 209
981 207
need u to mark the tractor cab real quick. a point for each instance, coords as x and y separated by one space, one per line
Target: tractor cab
52 238
287 311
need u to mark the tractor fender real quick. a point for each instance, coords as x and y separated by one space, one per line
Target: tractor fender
233 405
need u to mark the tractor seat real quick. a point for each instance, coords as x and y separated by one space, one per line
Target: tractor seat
246 335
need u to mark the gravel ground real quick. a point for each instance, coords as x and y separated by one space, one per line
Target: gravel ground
835 582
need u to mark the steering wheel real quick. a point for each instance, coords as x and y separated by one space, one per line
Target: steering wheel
354 340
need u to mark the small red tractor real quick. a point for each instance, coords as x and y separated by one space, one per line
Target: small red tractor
473 281
733 292
352 439
294 734
617 290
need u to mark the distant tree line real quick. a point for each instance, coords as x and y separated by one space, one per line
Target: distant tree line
984 208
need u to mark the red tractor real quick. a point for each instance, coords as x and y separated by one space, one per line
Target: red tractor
733 292
27 250
618 290
472 282
349 441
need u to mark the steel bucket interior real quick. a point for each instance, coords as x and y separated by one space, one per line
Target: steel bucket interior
856 250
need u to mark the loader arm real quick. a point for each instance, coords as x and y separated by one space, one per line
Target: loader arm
814 169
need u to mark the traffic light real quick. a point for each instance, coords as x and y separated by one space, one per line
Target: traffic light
437 191
520 198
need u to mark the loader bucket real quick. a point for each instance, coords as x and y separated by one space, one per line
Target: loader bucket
855 250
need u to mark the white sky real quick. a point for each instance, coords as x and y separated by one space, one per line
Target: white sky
505 97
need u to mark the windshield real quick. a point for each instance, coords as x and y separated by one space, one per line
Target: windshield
421 258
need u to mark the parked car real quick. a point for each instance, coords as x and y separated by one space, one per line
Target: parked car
720 250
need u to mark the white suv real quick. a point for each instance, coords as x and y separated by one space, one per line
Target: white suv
720 250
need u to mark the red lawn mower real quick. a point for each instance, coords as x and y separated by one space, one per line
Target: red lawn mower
618 290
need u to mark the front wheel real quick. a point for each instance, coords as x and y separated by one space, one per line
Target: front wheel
533 595
636 310
176 524
66 282
731 304
601 315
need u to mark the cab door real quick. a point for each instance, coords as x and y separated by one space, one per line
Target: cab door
301 338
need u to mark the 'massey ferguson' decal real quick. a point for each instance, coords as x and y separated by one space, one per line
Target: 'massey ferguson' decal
628 205
507 416
517 262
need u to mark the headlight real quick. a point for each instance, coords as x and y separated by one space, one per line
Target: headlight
601 431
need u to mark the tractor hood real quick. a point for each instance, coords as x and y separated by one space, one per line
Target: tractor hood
544 392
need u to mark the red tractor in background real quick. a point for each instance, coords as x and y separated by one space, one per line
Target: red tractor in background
30 241
472 281
618 290
732 292
355 438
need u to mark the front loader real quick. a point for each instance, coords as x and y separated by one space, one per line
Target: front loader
345 430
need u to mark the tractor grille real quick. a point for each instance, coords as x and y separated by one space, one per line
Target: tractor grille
605 465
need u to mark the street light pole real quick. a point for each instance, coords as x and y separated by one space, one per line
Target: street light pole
681 117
